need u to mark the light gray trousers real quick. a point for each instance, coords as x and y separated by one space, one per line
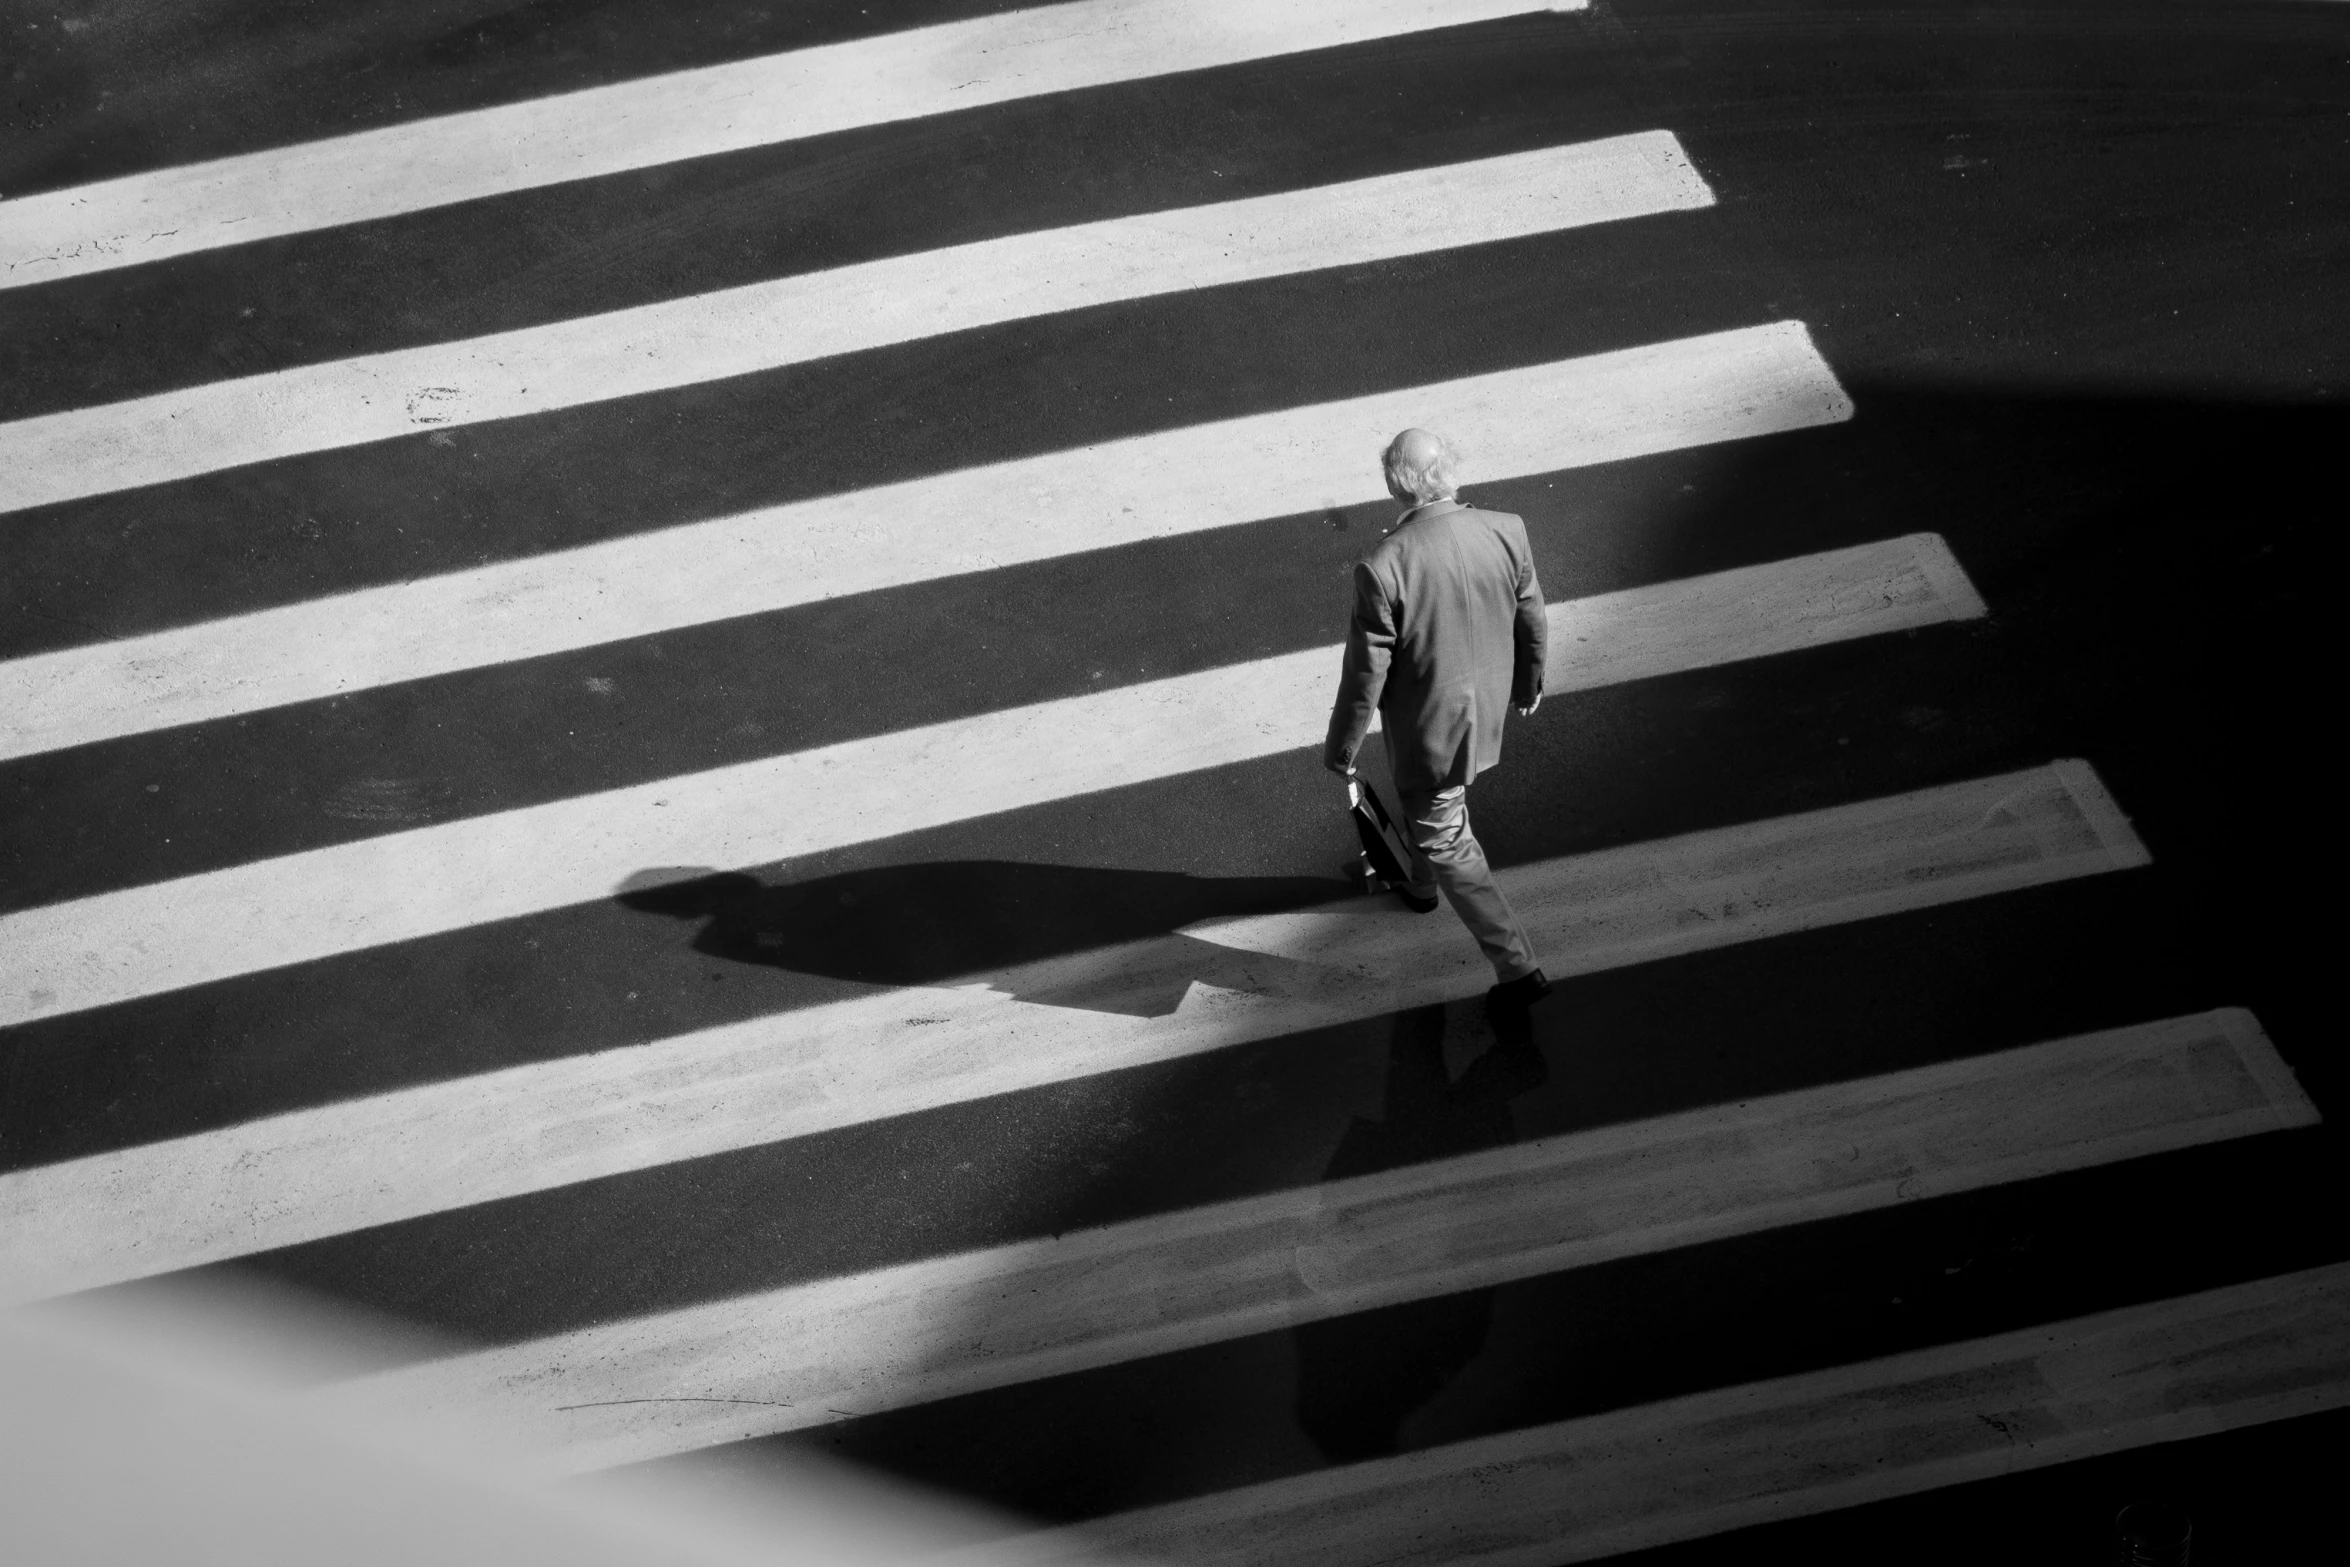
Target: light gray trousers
1447 856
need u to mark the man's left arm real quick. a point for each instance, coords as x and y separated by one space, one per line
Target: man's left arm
1531 633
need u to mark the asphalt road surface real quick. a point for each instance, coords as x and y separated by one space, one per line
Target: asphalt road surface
671 734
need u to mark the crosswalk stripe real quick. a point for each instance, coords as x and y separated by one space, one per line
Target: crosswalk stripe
763 326
813 1353
1688 1467
155 215
1541 419
314 904
301 1176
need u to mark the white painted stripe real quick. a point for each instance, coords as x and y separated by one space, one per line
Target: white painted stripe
1646 1476
760 326
295 908
943 1327
1566 414
341 1167
686 114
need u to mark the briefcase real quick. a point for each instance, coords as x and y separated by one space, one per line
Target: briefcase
1384 847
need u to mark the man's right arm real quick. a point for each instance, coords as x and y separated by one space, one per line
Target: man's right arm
1370 646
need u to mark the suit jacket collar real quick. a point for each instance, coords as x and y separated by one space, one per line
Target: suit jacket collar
1432 509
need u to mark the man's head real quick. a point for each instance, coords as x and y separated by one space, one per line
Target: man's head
1419 467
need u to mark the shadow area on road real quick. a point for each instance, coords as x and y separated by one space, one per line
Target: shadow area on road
1439 1083
1043 933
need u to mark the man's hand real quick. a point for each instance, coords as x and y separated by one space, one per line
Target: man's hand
1526 710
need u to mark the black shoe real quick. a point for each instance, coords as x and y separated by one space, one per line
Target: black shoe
1511 999
1418 904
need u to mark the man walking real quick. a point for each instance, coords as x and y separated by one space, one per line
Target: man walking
1448 631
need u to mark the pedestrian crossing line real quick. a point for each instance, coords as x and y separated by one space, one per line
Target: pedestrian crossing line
295 908
939 1328
1795 1446
158 214
819 315
305 1175
1541 419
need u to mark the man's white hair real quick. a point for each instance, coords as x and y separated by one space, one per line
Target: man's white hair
1423 465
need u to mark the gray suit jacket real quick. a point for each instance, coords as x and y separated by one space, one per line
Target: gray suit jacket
1448 631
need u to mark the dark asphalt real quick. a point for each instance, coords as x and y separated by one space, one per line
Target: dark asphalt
2086 273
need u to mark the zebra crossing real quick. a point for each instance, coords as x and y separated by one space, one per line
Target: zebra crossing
336 1144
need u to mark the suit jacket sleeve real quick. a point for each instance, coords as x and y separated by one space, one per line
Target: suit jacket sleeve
1531 633
1370 645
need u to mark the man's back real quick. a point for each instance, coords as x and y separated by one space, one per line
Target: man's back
1448 631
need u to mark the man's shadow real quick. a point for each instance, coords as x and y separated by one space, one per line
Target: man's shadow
1036 931
1360 1376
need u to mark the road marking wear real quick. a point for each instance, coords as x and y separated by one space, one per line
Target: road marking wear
1542 419
818 315
1028 53
943 1327
1688 1467
297 1177
299 907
